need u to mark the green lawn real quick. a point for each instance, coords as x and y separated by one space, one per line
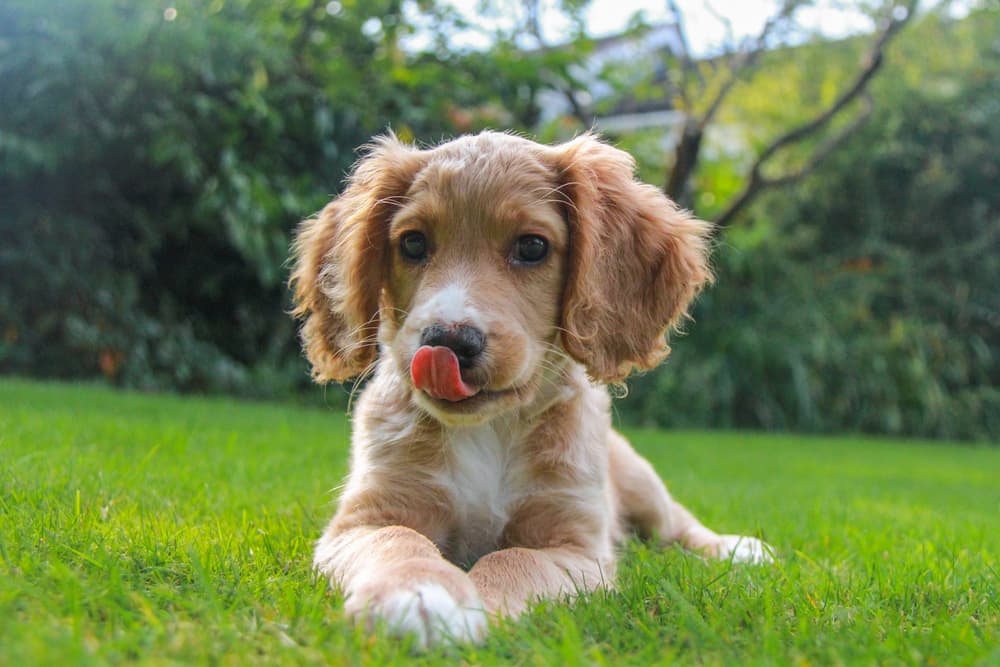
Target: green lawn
166 530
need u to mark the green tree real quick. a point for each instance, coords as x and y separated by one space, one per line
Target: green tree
866 297
154 164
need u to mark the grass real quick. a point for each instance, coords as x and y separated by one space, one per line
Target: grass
165 530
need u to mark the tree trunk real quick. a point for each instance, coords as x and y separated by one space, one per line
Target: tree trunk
678 185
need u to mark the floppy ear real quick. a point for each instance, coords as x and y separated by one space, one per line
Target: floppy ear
635 261
340 262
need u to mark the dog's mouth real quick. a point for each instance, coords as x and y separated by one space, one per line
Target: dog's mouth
437 372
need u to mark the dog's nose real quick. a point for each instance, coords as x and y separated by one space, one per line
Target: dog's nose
465 341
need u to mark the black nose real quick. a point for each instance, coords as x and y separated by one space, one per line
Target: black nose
466 342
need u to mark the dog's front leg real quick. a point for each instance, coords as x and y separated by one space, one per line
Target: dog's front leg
396 575
510 579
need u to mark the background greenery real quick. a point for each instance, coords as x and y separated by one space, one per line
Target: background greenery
151 173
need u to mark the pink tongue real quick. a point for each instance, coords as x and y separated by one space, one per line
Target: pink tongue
436 371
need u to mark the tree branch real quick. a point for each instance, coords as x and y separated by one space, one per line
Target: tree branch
757 182
746 59
563 84
688 147
687 61
579 112
727 24
826 148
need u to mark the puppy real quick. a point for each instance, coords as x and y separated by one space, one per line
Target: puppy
491 287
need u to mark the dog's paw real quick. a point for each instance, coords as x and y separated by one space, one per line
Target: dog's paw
430 613
427 611
742 549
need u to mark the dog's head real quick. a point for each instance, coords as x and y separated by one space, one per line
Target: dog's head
480 266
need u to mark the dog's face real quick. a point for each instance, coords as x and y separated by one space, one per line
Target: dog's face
483 265
476 257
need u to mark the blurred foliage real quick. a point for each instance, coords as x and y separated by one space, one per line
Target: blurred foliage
153 164
151 172
868 296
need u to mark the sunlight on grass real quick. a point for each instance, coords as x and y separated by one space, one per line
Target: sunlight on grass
161 529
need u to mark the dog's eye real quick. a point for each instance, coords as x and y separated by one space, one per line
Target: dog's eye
530 249
413 246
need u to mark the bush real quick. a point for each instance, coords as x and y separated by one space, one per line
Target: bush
152 172
866 298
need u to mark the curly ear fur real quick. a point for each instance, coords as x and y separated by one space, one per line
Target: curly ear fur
636 261
339 263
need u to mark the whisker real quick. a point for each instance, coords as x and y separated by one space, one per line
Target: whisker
368 370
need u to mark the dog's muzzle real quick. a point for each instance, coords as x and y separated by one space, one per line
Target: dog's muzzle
444 352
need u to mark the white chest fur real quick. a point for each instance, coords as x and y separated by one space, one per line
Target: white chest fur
485 479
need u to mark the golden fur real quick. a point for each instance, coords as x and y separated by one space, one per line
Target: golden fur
454 512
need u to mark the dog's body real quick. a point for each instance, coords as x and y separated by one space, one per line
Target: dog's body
503 282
